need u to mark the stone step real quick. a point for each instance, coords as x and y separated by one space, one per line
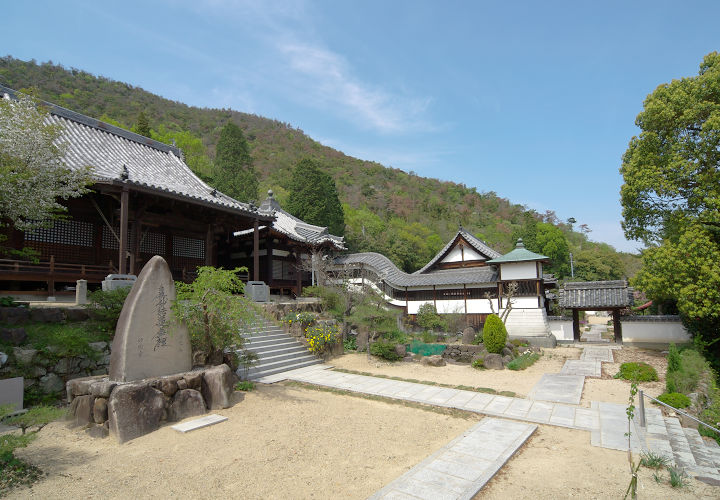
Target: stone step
260 339
261 347
280 369
703 455
272 356
683 455
283 349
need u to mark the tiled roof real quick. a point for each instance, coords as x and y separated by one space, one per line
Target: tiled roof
119 156
596 294
388 272
296 229
518 254
477 244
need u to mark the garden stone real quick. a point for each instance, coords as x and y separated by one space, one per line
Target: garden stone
102 388
97 431
98 346
14 315
409 358
401 350
468 335
493 361
506 360
81 410
3 359
84 364
37 371
76 314
182 384
186 403
14 336
435 360
199 358
148 342
29 382
24 356
47 315
217 387
134 410
362 340
507 352
79 386
64 366
168 385
194 380
51 383
100 410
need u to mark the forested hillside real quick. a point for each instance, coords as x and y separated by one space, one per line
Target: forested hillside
402 215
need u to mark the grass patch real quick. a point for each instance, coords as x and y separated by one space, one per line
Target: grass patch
245 385
637 371
15 473
453 412
653 460
685 378
675 399
523 361
64 339
486 390
678 477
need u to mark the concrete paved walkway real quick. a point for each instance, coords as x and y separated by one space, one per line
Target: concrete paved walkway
558 388
462 467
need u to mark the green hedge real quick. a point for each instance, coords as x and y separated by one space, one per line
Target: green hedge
494 334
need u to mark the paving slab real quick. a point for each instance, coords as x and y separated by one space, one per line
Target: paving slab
279 377
462 467
558 388
199 423
597 353
613 428
586 368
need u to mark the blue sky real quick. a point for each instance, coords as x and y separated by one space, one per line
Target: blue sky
533 100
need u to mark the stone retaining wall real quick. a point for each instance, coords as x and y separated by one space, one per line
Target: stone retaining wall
128 410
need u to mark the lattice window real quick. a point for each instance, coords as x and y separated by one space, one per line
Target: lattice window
64 232
188 247
108 238
153 243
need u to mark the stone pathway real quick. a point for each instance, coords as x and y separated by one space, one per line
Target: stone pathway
582 367
462 467
558 388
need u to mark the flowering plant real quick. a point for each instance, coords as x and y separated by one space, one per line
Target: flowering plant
321 337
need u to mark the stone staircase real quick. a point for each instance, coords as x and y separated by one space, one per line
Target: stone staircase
277 351
527 323
683 446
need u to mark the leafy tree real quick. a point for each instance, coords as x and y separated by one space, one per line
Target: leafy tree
191 146
33 174
142 125
672 170
429 319
598 263
213 310
551 242
234 171
314 197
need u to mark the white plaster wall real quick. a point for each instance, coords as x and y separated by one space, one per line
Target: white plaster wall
562 329
654 332
455 255
474 306
518 271
523 302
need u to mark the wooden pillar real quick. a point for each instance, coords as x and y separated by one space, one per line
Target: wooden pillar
134 267
298 273
122 251
435 298
209 237
406 301
256 251
269 259
51 279
576 325
617 326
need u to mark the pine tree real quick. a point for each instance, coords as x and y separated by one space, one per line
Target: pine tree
234 171
142 125
314 197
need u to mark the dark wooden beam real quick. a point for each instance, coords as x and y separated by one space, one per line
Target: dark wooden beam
617 326
576 325
256 252
123 247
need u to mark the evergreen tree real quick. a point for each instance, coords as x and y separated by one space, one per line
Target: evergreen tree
314 197
234 171
142 125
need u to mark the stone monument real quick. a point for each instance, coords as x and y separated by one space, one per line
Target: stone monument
148 342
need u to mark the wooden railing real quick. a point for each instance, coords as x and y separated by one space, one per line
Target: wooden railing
11 269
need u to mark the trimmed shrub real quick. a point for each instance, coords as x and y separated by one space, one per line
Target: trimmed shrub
428 318
384 349
675 399
479 364
638 371
523 361
494 334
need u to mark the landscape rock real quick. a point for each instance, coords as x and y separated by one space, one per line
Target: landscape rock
507 351
362 340
506 360
148 341
217 387
76 314
168 385
47 315
98 346
102 388
134 410
468 335
194 380
81 410
24 356
14 315
37 371
409 358
97 431
199 358
435 360
28 382
182 384
80 386
14 336
186 403
493 361
51 383
3 359
100 410
401 350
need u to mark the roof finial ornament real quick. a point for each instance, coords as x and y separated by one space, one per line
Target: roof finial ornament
520 243
213 192
460 228
270 193
125 175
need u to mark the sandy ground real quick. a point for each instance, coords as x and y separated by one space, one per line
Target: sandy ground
279 442
292 442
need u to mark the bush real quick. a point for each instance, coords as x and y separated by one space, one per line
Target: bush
523 361
675 399
428 337
494 334
8 301
673 359
350 344
245 385
519 343
332 300
64 339
384 349
321 337
428 318
105 307
479 364
637 371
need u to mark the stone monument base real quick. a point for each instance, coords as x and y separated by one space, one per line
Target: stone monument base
129 410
